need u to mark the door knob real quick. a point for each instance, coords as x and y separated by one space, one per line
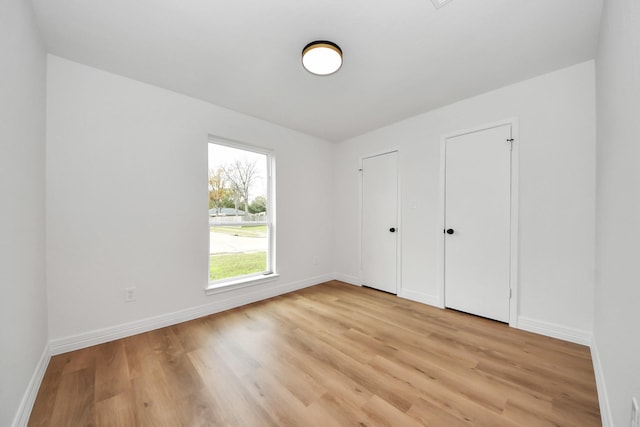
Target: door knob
450 231
392 229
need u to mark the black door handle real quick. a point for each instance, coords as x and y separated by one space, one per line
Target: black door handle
450 231
392 229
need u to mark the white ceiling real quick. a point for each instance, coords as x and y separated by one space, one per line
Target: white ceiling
401 57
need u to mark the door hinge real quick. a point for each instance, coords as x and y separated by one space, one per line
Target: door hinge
510 141
510 293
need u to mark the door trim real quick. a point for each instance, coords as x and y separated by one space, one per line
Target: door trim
513 268
398 213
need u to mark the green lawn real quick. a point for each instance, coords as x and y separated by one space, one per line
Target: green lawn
230 265
246 231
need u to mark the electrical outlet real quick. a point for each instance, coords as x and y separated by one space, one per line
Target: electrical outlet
635 413
130 294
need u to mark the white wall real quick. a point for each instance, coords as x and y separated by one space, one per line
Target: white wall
127 200
556 115
23 310
617 295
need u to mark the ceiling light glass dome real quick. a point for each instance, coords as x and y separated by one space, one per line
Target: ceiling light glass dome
322 57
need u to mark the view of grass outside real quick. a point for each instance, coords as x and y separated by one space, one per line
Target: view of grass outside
237 251
224 266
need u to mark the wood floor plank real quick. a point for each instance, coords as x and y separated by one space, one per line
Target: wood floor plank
334 381
152 401
391 390
328 355
182 377
200 409
341 412
436 412
381 413
282 406
116 411
232 397
46 397
111 370
74 405
272 353
142 359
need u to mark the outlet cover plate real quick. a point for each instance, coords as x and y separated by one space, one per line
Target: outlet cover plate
130 294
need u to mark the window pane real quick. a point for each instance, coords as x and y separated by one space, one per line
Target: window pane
237 251
238 213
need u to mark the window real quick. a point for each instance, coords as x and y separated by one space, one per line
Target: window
241 249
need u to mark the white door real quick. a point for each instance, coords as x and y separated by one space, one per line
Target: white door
379 221
477 222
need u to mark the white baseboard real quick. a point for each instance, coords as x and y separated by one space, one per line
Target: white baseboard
419 297
26 404
235 299
351 280
553 330
603 398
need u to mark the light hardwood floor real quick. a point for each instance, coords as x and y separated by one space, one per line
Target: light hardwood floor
329 355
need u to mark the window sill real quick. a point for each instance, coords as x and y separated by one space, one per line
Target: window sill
232 285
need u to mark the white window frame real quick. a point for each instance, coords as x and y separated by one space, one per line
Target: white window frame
237 282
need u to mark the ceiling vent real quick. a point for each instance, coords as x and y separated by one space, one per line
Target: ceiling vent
439 3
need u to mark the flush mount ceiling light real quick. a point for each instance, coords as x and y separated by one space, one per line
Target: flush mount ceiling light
322 57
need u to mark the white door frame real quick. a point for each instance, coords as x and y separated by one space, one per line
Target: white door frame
399 219
513 269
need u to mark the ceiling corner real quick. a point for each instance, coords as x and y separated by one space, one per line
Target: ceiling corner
439 3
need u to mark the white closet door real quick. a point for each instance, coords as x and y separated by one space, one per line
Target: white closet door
477 222
379 221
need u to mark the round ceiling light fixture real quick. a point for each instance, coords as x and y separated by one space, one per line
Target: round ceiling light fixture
322 57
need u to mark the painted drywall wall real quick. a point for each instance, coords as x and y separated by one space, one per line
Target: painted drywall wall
556 114
617 293
23 310
127 198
